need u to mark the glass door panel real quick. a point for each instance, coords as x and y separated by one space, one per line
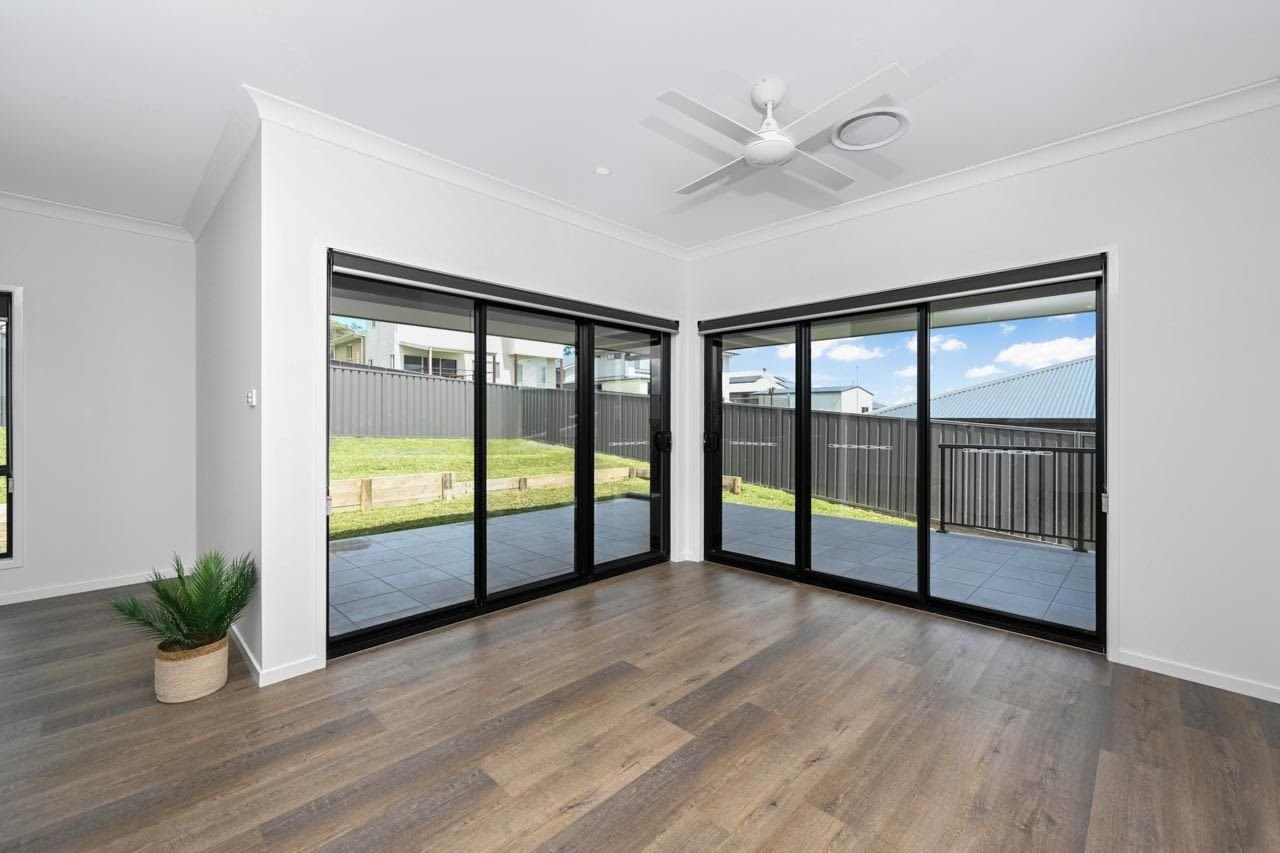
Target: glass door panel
532 428
1013 379
863 435
628 422
757 450
401 454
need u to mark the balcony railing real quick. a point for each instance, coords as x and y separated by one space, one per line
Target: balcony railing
1042 492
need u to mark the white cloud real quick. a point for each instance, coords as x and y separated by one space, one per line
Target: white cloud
940 342
1063 318
909 370
982 372
819 347
787 351
1007 328
1029 356
854 352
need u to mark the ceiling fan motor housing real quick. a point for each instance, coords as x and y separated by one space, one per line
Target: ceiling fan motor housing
771 149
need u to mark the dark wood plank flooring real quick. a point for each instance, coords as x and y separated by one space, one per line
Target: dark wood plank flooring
683 707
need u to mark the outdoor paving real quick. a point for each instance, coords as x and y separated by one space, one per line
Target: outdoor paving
1027 579
387 576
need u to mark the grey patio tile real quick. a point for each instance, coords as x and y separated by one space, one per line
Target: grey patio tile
343 576
372 557
952 590
945 571
1076 598
1040 564
339 624
463 566
356 543
1031 589
1008 602
895 563
873 574
340 595
910 583
416 577
1080 582
1027 574
394 567
1078 617
441 593
377 607
391 617
960 560
501 577
862 551
1084 570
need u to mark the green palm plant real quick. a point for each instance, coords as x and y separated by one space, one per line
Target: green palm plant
197 607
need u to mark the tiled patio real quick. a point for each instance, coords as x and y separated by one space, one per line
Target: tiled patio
1026 579
376 579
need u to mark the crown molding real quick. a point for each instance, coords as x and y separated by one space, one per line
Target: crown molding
1215 108
89 216
238 134
305 120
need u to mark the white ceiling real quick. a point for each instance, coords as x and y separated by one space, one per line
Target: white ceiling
117 106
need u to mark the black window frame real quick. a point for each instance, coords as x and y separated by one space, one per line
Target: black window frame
6 420
921 299
483 296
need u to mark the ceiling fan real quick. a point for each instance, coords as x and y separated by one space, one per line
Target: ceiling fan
776 145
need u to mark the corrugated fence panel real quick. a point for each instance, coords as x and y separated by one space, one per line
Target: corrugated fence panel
869 461
396 404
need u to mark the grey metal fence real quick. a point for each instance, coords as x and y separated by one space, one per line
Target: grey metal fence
869 461
397 404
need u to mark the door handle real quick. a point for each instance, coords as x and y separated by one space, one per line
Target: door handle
710 442
662 441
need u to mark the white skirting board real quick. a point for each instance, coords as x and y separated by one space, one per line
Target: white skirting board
1235 684
275 674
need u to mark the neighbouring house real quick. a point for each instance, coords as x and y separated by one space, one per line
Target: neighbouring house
1061 396
762 388
620 372
448 353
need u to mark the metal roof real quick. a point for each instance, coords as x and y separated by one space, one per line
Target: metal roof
1055 393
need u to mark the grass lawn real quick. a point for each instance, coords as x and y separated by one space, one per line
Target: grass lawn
778 499
345 525
351 457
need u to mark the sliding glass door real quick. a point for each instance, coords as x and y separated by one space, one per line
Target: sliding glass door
532 418
754 406
401 455
947 453
476 460
864 466
630 440
1014 391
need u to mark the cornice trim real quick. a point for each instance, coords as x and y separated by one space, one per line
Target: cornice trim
88 216
1215 108
338 132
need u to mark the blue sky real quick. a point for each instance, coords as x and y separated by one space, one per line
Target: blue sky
961 355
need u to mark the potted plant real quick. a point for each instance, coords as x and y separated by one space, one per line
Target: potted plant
190 616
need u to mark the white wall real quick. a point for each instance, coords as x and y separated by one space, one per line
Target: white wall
228 500
105 436
318 195
1191 222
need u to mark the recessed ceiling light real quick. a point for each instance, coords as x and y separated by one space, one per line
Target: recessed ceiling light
870 129
603 170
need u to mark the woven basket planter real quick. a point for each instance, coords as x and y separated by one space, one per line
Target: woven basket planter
188 674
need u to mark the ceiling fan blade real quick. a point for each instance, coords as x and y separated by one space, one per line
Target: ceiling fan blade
883 82
712 177
705 115
808 166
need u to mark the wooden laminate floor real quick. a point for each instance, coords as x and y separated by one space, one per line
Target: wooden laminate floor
683 707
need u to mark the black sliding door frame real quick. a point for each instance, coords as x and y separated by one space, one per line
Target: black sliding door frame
920 299
484 296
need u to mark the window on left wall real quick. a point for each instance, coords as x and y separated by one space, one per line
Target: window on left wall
6 425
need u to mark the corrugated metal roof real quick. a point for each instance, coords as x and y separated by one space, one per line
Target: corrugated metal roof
1059 392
